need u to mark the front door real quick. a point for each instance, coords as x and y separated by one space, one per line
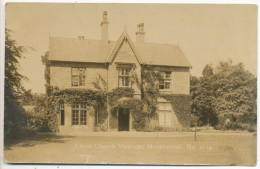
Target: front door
123 119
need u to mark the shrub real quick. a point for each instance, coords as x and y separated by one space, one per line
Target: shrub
139 122
36 121
154 129
251 129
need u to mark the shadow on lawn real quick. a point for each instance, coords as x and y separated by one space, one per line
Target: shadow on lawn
41 138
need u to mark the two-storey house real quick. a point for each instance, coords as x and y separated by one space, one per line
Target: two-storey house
76 63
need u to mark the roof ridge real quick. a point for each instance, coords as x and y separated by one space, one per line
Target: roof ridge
163 44
56 37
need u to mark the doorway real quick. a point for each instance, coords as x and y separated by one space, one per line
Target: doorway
123 119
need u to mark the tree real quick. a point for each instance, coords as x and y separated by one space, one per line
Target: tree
235 89
202 95
14 116
28 97
224 89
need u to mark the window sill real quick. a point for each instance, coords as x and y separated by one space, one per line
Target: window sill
165 90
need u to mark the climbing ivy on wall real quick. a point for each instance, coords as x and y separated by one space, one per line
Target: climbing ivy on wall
121 97
118 93
142 110
179 104
95 98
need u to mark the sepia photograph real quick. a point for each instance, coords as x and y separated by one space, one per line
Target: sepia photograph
130 84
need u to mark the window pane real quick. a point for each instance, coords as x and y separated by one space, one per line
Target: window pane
75 80
82 71
168 106
123 81
127 71
161 119
121 71
81 80
83 117
161 86
75 117
61 106
167 85
168 121
62 118
120 81
168 75
83 105
127 81
75 71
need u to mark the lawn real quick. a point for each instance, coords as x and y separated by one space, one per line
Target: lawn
213 149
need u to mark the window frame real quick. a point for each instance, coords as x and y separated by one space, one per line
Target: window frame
167 81
81 109
165 112
79 76
124 76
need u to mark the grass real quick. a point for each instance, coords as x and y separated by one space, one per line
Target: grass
210 149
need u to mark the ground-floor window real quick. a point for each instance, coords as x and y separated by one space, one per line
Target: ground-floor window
62 117
79 114
165 114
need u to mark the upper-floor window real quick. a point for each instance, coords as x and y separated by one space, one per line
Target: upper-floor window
78 76
79 114
124 77
165 82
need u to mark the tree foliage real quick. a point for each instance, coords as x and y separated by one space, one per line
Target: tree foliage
150 89
224 89
14 115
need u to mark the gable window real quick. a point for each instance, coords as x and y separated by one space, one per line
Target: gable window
78 76
62 117
165 82
79 114
165 114
124 77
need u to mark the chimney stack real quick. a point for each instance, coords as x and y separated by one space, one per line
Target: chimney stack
140 33
104 28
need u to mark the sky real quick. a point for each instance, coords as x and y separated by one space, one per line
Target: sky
206 34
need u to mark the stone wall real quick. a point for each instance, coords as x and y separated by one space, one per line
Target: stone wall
180 77
124 55
60 73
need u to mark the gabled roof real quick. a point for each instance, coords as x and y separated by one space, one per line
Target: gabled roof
79 50
162 54
96 51
124 36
